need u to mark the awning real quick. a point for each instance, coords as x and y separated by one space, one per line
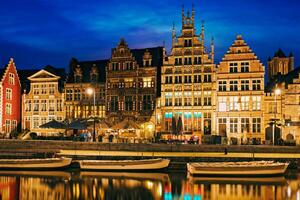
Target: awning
54 125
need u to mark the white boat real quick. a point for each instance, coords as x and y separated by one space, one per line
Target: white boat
149 164
43 163
253 168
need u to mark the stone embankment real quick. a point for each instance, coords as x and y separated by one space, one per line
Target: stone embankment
179 154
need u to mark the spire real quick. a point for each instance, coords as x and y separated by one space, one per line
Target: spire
202 35
212 46
193 14
173 34
183 17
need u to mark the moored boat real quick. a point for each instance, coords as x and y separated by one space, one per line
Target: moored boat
110 165
42 163
253 168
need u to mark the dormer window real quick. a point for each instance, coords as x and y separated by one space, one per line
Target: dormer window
78 74
147 59
94 74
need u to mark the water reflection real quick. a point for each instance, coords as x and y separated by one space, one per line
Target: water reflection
118 185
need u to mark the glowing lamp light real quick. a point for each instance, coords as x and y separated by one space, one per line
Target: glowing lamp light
90 91
277 91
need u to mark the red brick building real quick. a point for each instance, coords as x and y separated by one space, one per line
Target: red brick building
10 96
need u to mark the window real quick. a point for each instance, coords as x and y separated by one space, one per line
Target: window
233 104
7 126
147 82
36 122
59 105
233 85
233 125
187 42
256 103
114 104
168 120
128 103
245 102
187 61
36 105
178 61
178 98
14 125
245 67
43 120
178 79
147 104
244 85
187 79
51 105
129 82
168 99
94 78
197 121
222 126
11 79
271 107
197 78
35 89
197 60
8 94
245 125
43 89
69 95
256 84
222 104
207 78
187 98
256 125
77 95
51 88
77 78
207 98
197 98
8 109
222 85
44 105
233 67
168 79
28 105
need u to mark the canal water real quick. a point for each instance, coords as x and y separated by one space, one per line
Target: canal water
68 185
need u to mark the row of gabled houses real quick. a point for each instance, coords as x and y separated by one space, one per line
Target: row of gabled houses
151 88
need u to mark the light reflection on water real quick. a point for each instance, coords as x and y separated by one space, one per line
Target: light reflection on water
58 185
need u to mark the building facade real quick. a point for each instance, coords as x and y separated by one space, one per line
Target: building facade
10 100
188 88
44 101
83 75
280 64
240 93
133 83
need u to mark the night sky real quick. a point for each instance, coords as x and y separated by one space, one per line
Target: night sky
40 32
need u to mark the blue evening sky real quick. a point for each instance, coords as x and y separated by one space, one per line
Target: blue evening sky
40 32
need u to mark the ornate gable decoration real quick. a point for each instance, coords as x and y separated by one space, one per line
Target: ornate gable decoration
43 75
122 50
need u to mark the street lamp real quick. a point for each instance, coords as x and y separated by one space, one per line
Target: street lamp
91 91
277 91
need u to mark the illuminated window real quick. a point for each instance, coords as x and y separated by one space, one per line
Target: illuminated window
168 99
44 105
11 79
7 126
207 98
233 104
187 98
128 82
8 109
8 94
245 102
222 104
178 98
147 82
36 105
256 103
51 88
197 98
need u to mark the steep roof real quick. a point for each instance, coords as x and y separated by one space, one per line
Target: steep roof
156 52
86 67
279 54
